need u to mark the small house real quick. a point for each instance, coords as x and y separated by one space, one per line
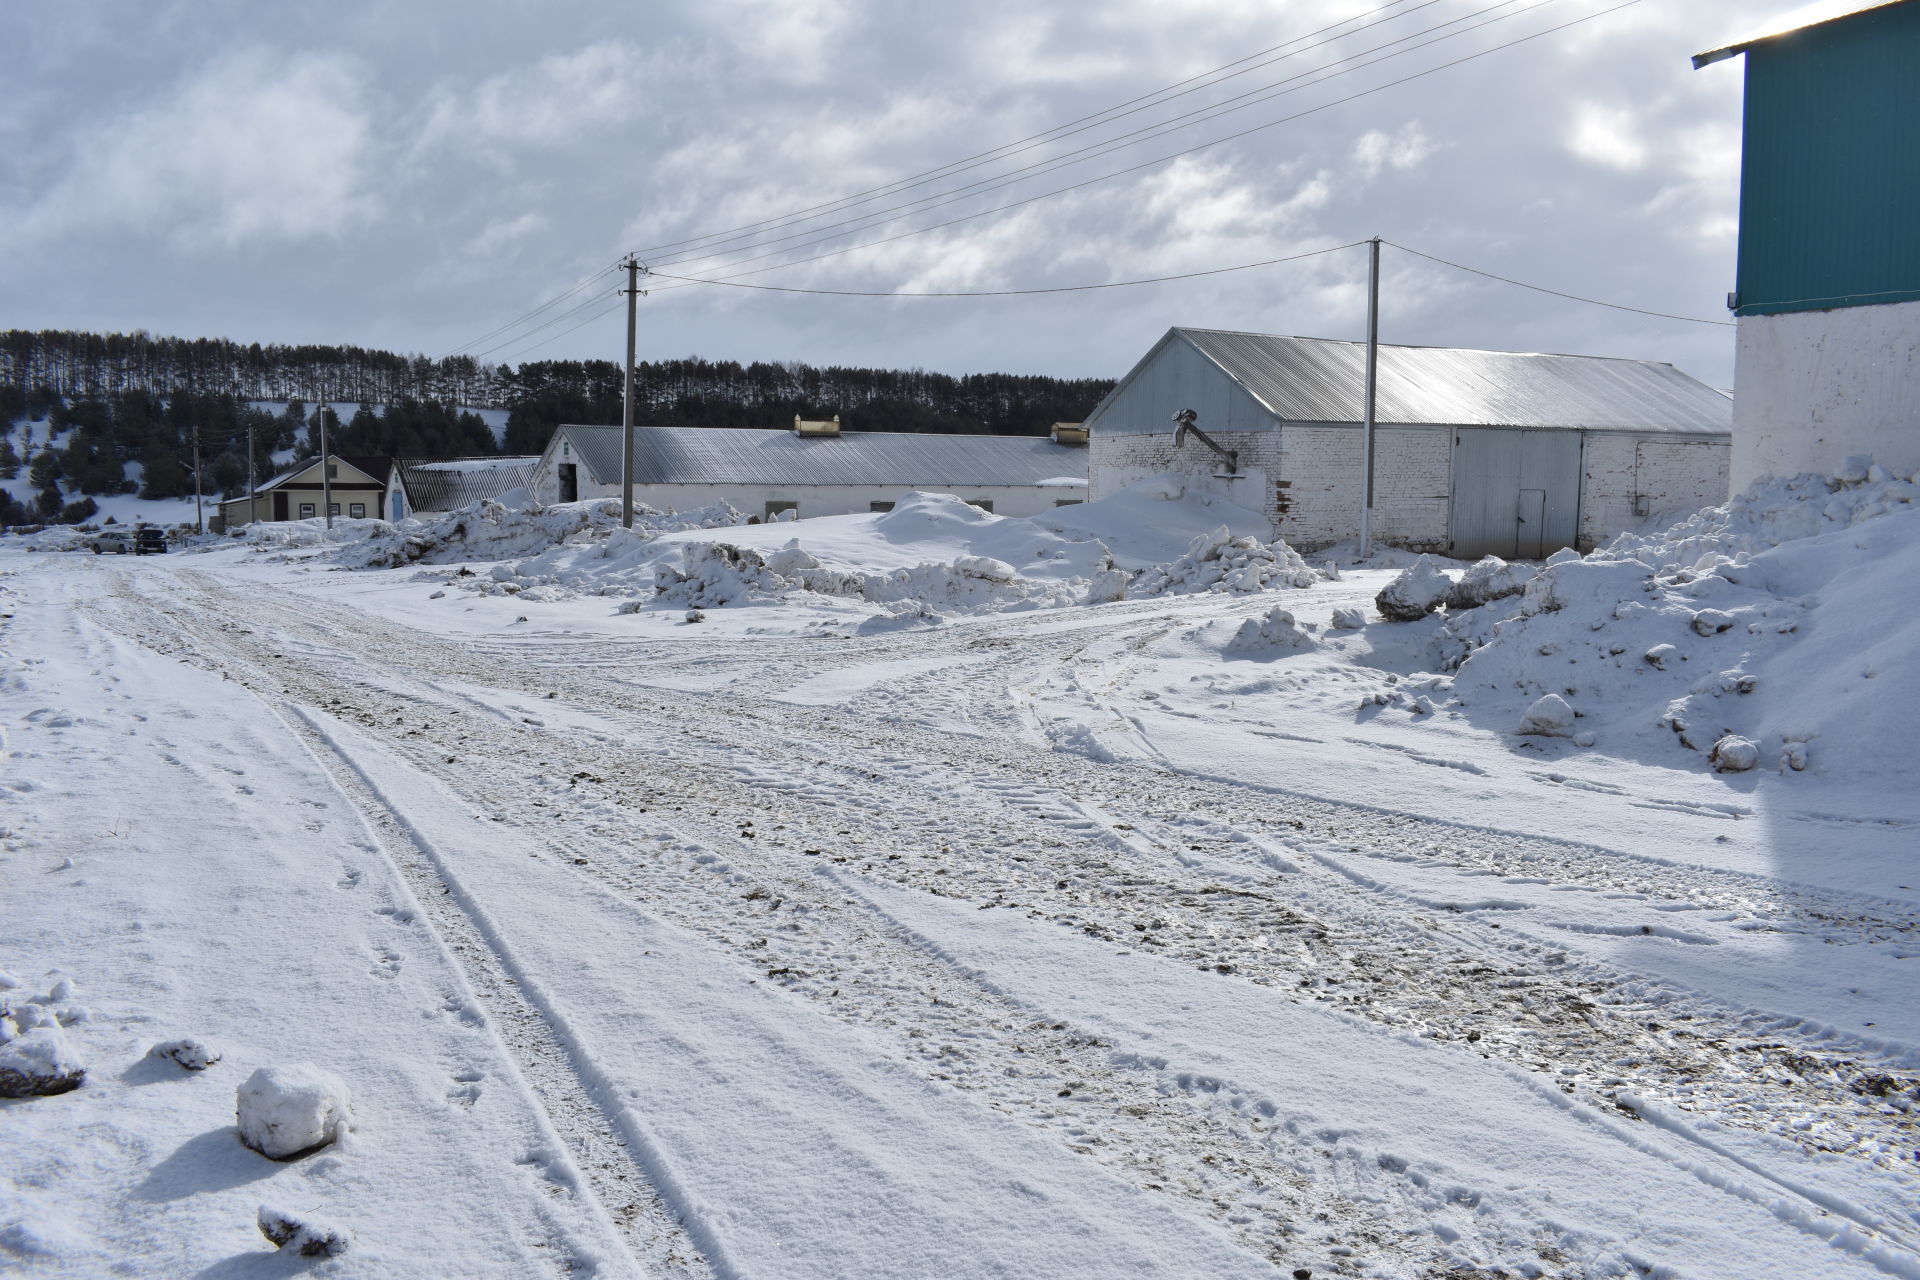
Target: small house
815 469
1475 452
358 486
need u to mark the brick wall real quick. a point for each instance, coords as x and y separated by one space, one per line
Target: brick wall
1627 481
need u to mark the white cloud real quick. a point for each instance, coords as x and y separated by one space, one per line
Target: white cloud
257 148
1607 136
1404 150
563 98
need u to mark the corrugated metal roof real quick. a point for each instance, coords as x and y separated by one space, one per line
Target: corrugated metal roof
447 484
1811 15
1324 380
742 455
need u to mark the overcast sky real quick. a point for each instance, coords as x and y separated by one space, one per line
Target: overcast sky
411 174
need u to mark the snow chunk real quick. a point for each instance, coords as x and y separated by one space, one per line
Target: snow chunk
1422 587
285 1112
39 1063
1348 619
304 1235
1490 578
1733 754
1550 717
190 1054
1711 622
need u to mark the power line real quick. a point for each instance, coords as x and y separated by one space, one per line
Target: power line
1014 293
1147 164
1104 116
1664 315
558 318
601 314
1245 101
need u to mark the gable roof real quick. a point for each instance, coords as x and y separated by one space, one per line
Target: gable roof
1812 15
1324 380
750 455
447 484
379 470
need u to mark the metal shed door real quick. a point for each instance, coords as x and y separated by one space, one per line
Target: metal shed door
1516 494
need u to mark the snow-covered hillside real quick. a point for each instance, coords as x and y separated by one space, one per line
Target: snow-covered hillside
935 894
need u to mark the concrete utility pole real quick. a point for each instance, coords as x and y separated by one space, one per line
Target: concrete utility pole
1366 429
326 468
253 503
626 403
199 521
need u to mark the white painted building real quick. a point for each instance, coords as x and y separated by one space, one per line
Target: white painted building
813 470
1477 452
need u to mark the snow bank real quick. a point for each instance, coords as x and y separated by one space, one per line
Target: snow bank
285 1112
1775 632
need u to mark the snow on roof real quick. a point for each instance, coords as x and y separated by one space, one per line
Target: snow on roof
1812 15
1324 379
745 455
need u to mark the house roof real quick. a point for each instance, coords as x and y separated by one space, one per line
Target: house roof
379 469
1811 15
1324 380
447 484
746 455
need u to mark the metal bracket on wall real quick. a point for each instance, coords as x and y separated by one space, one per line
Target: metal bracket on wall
1184 425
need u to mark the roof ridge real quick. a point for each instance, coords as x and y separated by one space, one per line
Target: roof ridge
1421 346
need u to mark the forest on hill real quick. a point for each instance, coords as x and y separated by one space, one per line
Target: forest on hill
91 414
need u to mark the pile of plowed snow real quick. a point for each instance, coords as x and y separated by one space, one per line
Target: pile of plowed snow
930 556
1776 632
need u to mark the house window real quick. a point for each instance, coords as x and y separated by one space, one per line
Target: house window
357 510
985 504
775 508
306 511
333 508
879 506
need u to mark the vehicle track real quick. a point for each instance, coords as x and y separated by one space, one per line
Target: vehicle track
1200 871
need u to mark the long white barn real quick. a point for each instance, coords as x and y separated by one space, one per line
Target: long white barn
1476 452
818 471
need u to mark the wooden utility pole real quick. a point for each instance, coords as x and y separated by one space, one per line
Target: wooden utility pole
632 265
326 468
1366 428
199 520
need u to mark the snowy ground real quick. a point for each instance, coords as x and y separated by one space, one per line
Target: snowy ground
1048 942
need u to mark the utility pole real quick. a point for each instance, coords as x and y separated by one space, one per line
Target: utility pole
1373 365
326 467
632 265
199 521
253 503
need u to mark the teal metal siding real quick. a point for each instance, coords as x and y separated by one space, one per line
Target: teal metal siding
1830 176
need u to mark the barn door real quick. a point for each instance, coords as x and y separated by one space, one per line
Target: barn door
1516 494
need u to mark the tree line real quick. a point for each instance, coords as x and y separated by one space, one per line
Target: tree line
119 413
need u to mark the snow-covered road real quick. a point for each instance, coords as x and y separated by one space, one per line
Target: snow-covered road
925 954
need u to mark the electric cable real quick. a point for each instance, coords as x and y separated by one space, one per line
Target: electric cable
1458 266
1252 98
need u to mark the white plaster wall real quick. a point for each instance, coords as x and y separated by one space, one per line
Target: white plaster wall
1632 482
1814 387
826 500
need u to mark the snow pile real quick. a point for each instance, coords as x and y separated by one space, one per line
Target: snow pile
492 530
1775 632
1222 561
1274 630
302 1234
285 1112
188 1055
1490 578
1420 588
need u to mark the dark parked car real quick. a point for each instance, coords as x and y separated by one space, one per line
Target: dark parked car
149 541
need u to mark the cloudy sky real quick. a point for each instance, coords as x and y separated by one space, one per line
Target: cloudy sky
412 174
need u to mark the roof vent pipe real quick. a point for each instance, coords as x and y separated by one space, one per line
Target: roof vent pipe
1069 433
816 426
1184 426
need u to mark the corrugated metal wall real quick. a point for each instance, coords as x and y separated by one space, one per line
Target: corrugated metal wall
1516 494
1830 175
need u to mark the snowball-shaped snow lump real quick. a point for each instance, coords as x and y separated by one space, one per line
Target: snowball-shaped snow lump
39 1063
1274 629
1550 717
1420 589
1734 754
285 1112
301 1234
1348 619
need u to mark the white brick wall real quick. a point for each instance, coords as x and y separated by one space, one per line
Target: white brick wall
1627 480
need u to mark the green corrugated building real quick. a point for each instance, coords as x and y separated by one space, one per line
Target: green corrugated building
1827 298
